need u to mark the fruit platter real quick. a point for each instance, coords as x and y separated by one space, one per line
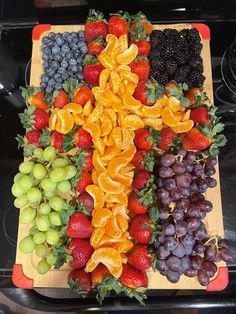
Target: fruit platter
119 190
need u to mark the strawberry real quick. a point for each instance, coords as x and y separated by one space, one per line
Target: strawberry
95 26
81 250
148 92
139 230
60 98
57 140
134 204
144 47
86 200
140 257
33 138
143 160
140 179
195 140
80 282
141 18
168 87
34 118
199 115
83 94
92 70
96 46
84 180
118 24
192 93
141 67
79 226
83 159
99 273
167 136
133 278
35 97
143 139
83 139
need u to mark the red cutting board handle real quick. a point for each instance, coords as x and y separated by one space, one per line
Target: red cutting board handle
203 29
221 281
39 29
19 279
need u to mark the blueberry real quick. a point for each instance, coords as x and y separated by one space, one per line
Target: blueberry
51 72
65 34
45 64
60 41
80 76
61 70
43 84
58 86
74 69
45 40
50 43
51 82
69 38
49 89
73 34
74 46
46 50
65 48
65 75
79 60
58 57
64 64
55 49
83 49
45 57
58 79
44 78
54 64
75 40
81 34
51 35
80 68
69 55
57 76
58 35
72 62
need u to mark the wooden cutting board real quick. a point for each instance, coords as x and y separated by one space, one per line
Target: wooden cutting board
25 274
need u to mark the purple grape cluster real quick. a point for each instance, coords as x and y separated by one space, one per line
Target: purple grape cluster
184 246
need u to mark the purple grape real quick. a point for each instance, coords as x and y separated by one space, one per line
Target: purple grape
189 251
178 214
193 187
210 254
224 243
191 273
178 167
188 240
160 237
196 262
162 193
226 255
193 223
183 181
211 161
209 268
217 259
193 211
202 185
175 194
202 216
205 206
164 213
191 156
198 170
159 182
211 182
166 201
195 197
188 165
185 192
181 152
199 247
162 252
209 171
161 265
174 263
181 228
165 172
179 251
169 184
200 233
182 203
172 276
186 263
168 229
202 278
170 243
167 160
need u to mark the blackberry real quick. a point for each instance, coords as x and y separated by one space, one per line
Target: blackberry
169 51
195 62
158 64
181 73
171 66
161 77
194 35
155 53
195 77
180 57
196 49
184 33
199 81
156 38
170 33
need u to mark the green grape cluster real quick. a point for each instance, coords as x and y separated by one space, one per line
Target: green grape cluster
40 188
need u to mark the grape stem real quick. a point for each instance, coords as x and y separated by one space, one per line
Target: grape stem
50 162
215 239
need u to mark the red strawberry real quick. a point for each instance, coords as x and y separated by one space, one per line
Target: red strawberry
86 200
148 92
141 18
140 257
34 118
33 138
167 137
141 67
83 94
41 119
169 85
138 161
192 93
199 115
92 70
81 250
138 231
88 162
84 180
80 282
134 205
83 138
60 99
140 179
143 139
35 97
96 46
95 26
133 278
79 226
118 24
144 47
57 140
99 273
195 140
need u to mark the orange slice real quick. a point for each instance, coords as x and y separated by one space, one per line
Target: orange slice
120 210
112 43
125 170
128 55
132 122
110 141
108 185
123 42
111 96
168 117
129 153
96 114
183 127
152 112
53 119
100 217
130 102
115 53
130 77
110 153
109 113
122 223
122 90
174 104
186 115
78 118
130 87
123 68
161 101
97 162
107 61
96 236
123 247
155 123
123 179
117 136
66 121
103 78
117 106
88 108
115 81
99 144
95 175
120 199
106 127
115 165
97 195
73 107
93 129
127 137
112 228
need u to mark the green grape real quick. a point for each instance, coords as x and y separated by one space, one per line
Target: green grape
43 267
39 237
48 185
59 162
32 230
18 176
49 153
57 203
34 195
48 194
26 166
51 259
44 209
16 190
42 223
38 153
27 215
70 172
40 250
26 182
58 174
27 245
64 186
39 171
55 218
21 201
52 236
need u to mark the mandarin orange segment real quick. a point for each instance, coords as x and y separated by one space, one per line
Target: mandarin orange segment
110 141
130 87
123 179
73 107
128 55
94 176
123 68
123 247
108 93
120 199
100 217
130 77
96 236
122 223
124 258
117 136
122 90
108 185
117 106
93 129
127 169
107 256
107 61
88 108
132 122
130 102
115 165
103 78
112 228
97 162
115 81
161 101
174 104
115 53
186 115
123 42
66 120
106 127
129 153
78 118
110 152
98 143
121 115
53 119
97 195
127 137
112 43
152 112
168 117
183 127
110 114
155 123
96 114
120 210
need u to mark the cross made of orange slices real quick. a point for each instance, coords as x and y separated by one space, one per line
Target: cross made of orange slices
111 122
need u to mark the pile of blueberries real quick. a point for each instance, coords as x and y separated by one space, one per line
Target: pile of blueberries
62 55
